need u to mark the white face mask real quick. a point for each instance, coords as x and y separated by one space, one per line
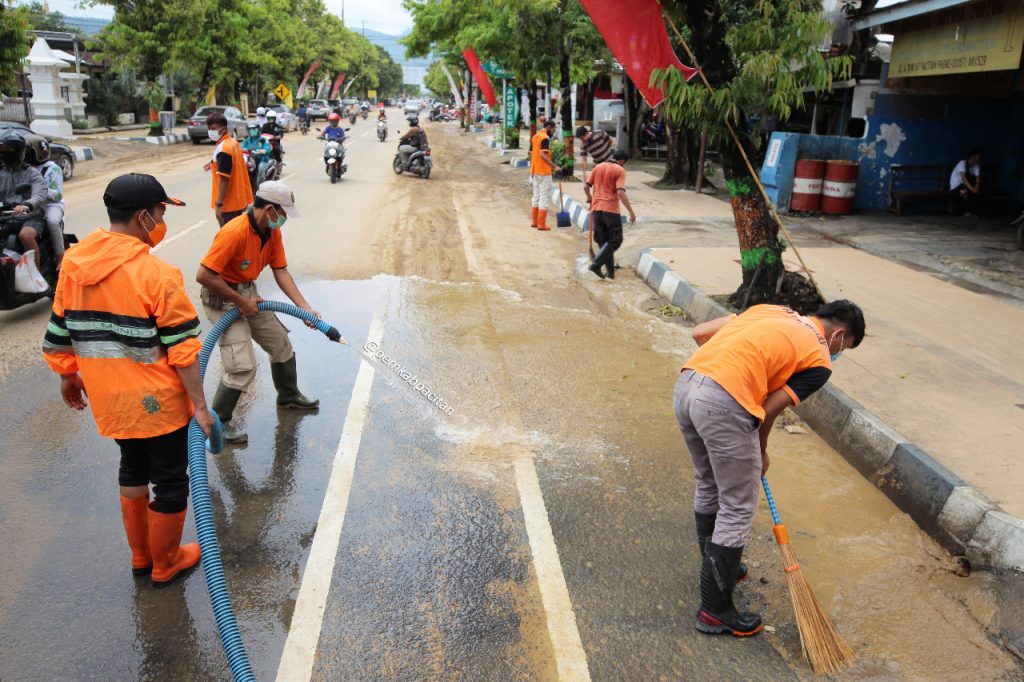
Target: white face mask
835 356
214 134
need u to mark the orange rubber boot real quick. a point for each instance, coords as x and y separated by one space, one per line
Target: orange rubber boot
170 561
542 220
533 216
135 514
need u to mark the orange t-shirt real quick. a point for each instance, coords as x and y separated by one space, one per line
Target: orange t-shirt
239 254
538 166
766 348
607 179
228 162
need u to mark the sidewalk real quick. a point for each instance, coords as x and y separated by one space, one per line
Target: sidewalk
931 406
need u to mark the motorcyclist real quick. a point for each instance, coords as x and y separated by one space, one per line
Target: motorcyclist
261 116
260 149
413 140
334 131
28 212
272 128
37 154
302 115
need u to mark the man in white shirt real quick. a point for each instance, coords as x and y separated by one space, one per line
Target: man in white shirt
965 180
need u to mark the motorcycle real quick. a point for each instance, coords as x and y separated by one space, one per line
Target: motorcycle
366 112
304 125
9 297
276 162
382 130
352 118
252 167
335 164
419 163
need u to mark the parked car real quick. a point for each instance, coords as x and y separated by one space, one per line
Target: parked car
285 117
318 108
412 106
197 124
61 154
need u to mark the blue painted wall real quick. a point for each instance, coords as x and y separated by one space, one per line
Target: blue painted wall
912 129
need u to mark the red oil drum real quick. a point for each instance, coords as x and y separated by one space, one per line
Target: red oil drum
840 187
807 180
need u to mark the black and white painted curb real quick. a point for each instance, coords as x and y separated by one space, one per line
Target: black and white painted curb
951 511
82 153
163 140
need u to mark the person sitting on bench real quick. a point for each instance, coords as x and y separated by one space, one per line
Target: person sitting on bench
966 181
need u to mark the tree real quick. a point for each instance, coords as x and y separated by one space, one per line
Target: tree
390 74
436 81
41 20
14 42
760 59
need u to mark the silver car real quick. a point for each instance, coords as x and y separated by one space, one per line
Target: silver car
197 124
285 117
318 108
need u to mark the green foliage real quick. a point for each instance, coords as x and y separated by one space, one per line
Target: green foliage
412 89
111 93
41 20
512 138
153 93
773 48
559 156
80 123
14 42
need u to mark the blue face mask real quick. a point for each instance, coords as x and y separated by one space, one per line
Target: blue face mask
839 354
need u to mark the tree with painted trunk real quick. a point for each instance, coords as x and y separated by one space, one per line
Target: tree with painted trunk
759 60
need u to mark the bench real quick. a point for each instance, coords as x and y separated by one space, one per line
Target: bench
909 183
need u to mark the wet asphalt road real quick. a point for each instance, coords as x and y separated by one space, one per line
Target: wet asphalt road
442 569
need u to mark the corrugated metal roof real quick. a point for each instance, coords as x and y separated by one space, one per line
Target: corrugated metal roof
889 11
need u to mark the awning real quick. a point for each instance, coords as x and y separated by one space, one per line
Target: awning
70 58
903 10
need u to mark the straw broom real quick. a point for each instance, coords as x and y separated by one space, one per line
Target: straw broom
821 642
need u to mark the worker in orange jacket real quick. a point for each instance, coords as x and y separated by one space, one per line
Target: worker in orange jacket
124 333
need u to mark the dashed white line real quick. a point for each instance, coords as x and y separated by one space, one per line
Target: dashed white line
307 620
570 658
171 240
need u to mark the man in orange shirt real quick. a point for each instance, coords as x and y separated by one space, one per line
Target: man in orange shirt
232 191
240 252
747 370
123 331
540 175
609 182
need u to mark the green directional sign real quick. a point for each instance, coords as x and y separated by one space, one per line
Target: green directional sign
511 114
496 71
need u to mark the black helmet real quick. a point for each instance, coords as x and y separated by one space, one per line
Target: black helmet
12 138
413 121
37 150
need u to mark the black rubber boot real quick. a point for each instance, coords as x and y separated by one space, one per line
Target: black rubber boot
705 529
610 264
224 402
717 613
597 266
287 384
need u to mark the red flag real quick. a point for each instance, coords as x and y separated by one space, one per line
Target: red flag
302 86
635 33
337 84
481 78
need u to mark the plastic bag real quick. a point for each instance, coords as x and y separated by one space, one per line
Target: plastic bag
27 279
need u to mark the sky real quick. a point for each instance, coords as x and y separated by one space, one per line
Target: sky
386 16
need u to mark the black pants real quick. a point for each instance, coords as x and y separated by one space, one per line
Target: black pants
162 461
231 215
608 236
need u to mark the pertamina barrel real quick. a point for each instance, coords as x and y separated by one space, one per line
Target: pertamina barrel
840 187
807 179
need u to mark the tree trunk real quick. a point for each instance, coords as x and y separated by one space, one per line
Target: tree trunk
156 128
564 85
632 109
760 250
677 164
533 109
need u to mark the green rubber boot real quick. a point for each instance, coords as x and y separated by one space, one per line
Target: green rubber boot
224 402
287 384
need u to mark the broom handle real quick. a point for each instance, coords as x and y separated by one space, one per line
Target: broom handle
771 501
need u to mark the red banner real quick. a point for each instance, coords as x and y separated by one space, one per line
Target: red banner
635 33
479 76
302 86
337 85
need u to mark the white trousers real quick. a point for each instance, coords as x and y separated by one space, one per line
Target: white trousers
542 187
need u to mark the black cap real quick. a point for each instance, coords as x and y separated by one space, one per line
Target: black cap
136 190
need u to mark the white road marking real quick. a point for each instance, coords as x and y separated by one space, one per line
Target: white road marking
307 619
570 658
171 240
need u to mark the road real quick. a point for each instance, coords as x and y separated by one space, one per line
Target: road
540 528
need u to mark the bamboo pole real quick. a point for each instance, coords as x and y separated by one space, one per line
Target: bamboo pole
746 159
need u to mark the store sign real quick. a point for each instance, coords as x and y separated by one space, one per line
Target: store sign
981 37
511 104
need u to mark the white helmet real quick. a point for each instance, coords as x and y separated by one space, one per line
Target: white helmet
271 114
261 111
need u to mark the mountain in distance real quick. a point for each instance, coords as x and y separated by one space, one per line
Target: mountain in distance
414 69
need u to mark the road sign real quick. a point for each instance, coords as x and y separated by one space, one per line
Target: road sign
371 94
511 115
282 91
498 72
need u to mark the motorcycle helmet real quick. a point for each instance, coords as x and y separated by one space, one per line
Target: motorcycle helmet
251 128
271 115
37 150
261 111
413 121
333 117
14 154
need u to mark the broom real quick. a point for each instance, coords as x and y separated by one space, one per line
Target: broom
562 218
819 639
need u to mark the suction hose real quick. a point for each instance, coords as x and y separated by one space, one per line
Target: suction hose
202 508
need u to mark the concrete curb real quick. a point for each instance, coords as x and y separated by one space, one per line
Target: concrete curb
82 153
953 513
163 140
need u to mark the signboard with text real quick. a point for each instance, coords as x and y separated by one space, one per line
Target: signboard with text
980 37
511 100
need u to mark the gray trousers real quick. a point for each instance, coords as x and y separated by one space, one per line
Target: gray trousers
723 441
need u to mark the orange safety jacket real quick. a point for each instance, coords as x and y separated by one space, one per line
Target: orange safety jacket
538 166
121 318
